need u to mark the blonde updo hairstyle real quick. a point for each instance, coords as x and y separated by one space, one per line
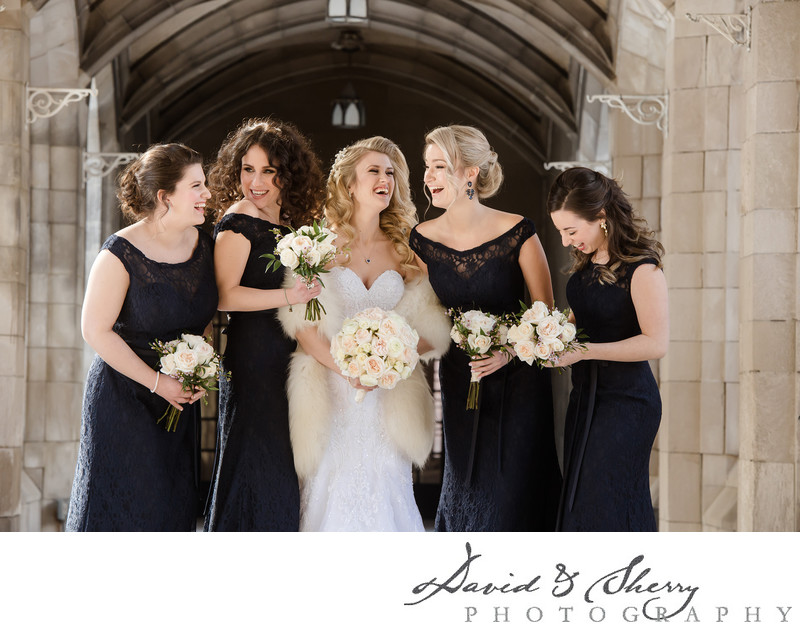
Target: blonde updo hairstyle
396 220
161 167
466 147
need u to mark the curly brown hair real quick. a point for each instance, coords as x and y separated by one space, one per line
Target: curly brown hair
298 171
161 167
586 193
396 220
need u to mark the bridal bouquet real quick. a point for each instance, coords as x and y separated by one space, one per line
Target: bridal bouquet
192 360
306 251
377 347
541 335
478 334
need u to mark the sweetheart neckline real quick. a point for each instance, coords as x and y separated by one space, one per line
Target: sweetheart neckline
374 282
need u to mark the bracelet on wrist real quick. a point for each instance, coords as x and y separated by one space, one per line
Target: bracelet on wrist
158 375
286 295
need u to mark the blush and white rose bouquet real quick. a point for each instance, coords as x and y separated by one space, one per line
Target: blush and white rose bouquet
192 361
306 251
478 334
541 335
377 347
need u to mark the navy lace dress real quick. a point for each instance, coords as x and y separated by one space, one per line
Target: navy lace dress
254 487
613 416
514 481
132 474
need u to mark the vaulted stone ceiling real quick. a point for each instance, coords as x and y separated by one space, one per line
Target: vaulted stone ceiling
512 65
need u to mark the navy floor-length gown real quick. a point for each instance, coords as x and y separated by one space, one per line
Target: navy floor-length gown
254 486
132 474
514 481
613 416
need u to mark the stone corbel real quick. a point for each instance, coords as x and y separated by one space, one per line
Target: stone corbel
47 102
603 167
101 164
735 27
643 110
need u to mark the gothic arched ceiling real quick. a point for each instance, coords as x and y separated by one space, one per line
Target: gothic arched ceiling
509 63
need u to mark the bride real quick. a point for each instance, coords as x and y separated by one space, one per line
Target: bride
354 459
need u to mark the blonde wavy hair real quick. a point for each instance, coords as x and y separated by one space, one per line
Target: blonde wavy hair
466 147
396 220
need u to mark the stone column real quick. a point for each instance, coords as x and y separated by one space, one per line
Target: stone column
54 346
769 300
637 148
700 222
14 244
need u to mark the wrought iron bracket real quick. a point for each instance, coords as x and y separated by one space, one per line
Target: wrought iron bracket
735 27
47 102
102 164
643 110
604 167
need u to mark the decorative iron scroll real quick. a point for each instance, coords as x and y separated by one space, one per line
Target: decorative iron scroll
47 102
644 110
101 164
603 167
735 27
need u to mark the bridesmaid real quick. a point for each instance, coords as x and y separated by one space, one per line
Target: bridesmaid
265 177
618 296
501 469
151 280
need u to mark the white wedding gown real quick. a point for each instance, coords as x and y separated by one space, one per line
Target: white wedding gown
363 482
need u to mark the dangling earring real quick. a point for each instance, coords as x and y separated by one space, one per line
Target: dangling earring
604 227
470 191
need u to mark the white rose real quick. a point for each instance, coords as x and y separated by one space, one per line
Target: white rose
168 364
380 346
353 369
350 326
349 344
470 318
204 351
481 343
410 356
536 313
395 347
368 380
363 336
408 335
209 371
192 340
313 258
186 360
388 327
375 366
541 350
302 244
289 258
548 328
285 242
486 323
502 334
568 332
521 332
524 350
456 336
388 379
556 345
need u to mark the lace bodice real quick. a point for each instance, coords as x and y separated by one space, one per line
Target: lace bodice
384 293
487 277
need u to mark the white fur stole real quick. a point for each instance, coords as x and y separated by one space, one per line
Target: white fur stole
408 411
